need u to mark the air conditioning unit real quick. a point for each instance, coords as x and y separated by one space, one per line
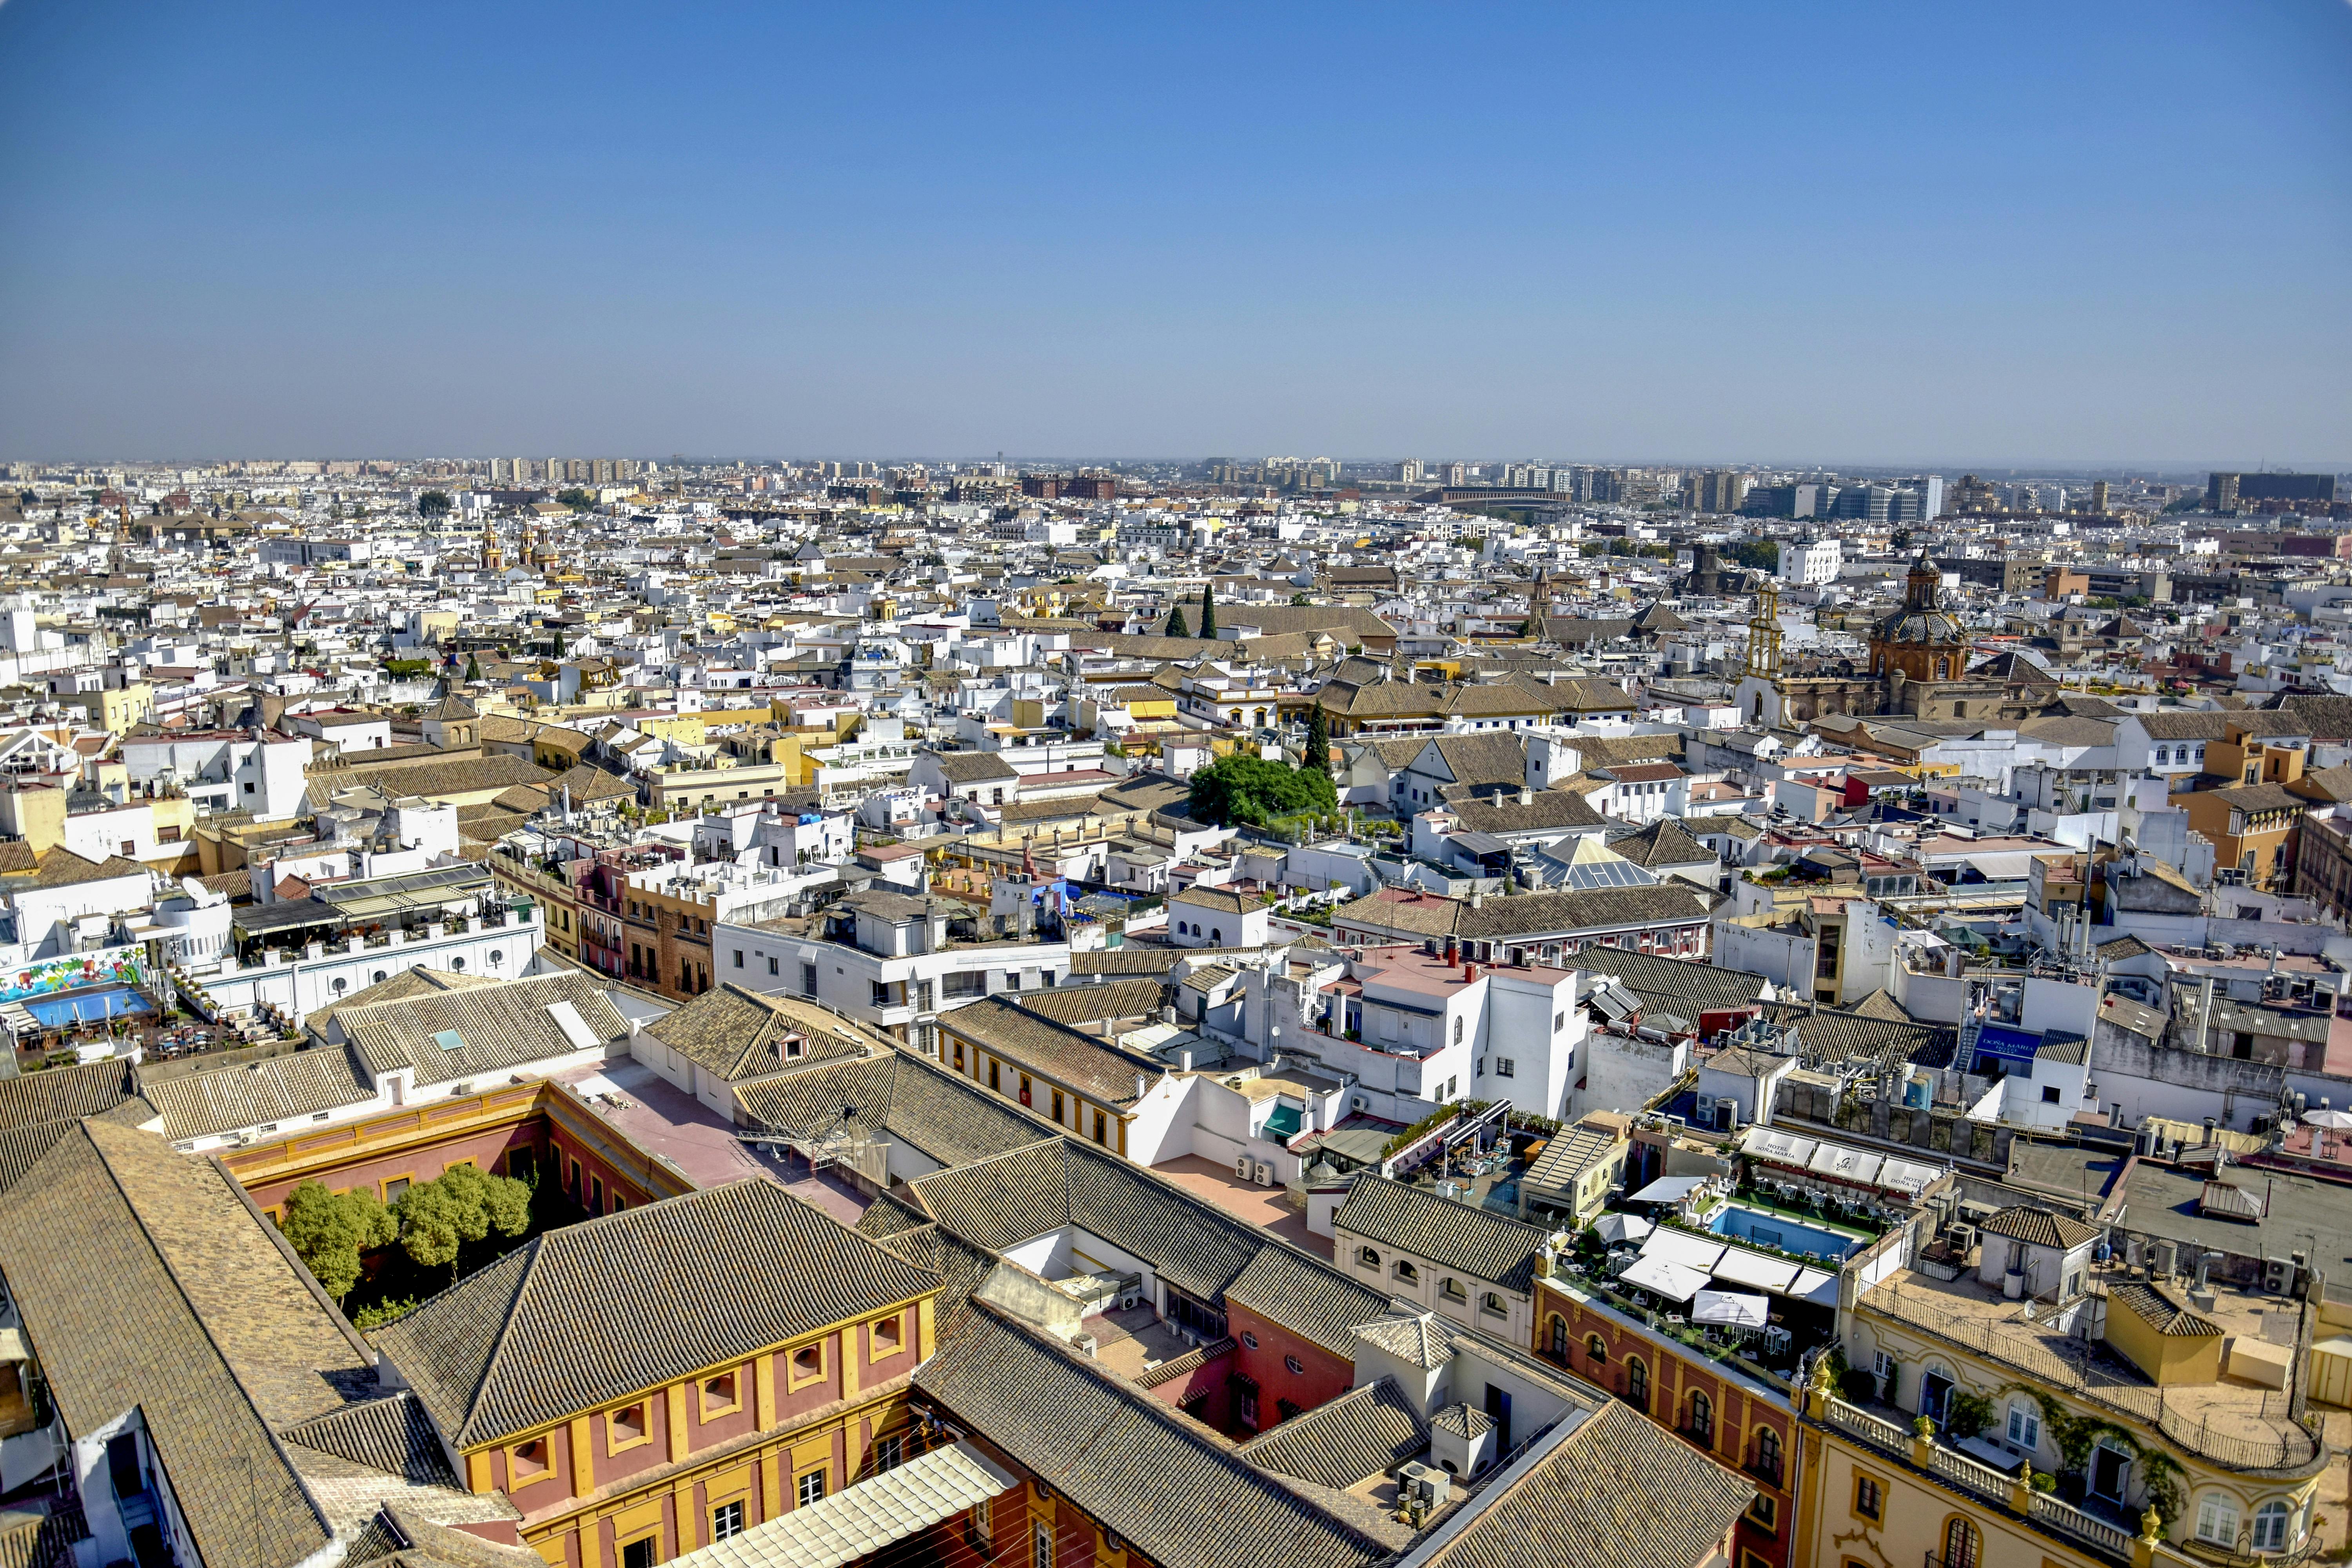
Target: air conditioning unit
1361 1103
1084 1345
1241 1167
1963 1236
1264 1174
1424 1483
1727 1115
1130 1299
2278 1276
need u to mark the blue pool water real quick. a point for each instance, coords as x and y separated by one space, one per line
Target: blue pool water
86 1006
1743 1224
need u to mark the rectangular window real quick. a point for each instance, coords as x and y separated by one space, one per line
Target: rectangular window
771 966
1869 1502
808 979
1101 1127
972 983
727 1521
1506 1067
739 958
640 1553
1041 1553
2024 1426
809 1487
1057 1108
890 1452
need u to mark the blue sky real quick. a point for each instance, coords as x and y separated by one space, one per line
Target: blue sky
1981 233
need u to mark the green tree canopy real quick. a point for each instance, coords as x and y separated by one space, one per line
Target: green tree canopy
1208 611
1254 791
1318 739
1757 554
1176 626
461 1204
577 499
329 1230
433 503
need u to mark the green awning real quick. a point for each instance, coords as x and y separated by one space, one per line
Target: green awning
1284 1123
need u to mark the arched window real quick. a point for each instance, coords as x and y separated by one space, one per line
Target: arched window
1216 934
2270 1521
2217 1520
1768 1454
1407 1272
1701 1425
1557 1336
1963 1547
1637 1383
1368 1257
1597 1348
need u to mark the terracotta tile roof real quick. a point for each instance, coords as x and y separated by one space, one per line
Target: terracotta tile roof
145 1281
279 1089
1363 1433
738 1032
2161 1312
542 1335
499 1027
1489 1249
1619 1492
1025 1040
2040 1227
1162 1481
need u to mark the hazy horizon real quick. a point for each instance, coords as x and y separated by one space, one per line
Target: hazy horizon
1724 232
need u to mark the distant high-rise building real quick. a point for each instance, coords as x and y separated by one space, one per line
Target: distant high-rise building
2099 498
1457 475
1409 471
2228 492
1816 561
1713 489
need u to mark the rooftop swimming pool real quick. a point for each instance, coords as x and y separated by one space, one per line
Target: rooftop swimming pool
86 1006
1740 1223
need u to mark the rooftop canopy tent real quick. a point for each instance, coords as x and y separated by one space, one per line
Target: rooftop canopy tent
1756 1269
1815 1287
1731 1307
1667 1190
1615 1227
1672 1280
1681 1247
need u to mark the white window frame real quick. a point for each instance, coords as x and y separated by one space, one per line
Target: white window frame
2217 1520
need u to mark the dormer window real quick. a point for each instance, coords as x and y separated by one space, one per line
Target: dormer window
628 1427
527 1462
720 1394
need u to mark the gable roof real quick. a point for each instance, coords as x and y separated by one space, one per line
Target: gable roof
1164 1482
1364 1432
739 1033
1619 1491
499 1027
542 1335
1025 1039
1488 1248
145 1281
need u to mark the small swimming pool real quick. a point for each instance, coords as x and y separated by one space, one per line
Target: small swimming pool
86 1006
1743 1224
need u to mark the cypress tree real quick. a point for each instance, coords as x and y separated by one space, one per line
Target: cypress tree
1176 626
1318 739
1208 612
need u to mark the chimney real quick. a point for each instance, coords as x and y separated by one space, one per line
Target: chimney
1526 796
1469 971
1477 901
1141 1088
1184 1061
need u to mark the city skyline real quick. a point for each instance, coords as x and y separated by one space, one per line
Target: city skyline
1842 239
